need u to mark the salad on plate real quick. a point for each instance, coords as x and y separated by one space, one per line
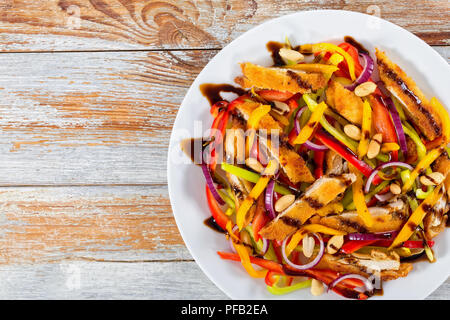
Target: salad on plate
329 170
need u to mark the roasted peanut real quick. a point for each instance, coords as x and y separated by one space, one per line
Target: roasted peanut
308 244
365 88
352 131
316 287
374 146
291 55
254 164
334 244
432 179
284 202
395 188
281 107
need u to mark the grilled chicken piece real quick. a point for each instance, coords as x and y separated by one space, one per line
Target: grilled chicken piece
280 79
291 162
436 220
417 107
324 191
442 165
345 102
388 267
334 162
267 122
386 218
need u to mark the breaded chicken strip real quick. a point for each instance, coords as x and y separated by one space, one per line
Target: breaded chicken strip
316 198
345 102
417 107
280 79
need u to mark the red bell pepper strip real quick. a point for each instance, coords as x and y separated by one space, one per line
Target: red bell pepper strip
326 277
383 123
260 219
319 157
353 245
271 278
333 144
263 263
220 217
274 95
411 244
343 68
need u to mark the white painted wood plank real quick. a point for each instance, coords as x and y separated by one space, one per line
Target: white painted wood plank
112 280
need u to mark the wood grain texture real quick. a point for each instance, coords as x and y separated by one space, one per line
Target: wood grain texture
54 25
52 224
92 118
89 92
114 280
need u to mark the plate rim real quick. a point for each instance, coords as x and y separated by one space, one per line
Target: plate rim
193 86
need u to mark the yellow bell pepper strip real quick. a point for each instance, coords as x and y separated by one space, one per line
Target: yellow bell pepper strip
335 59
245 260
308 129
420 147
253 122
421 166
358 198
251 176
444 116
295 240
351 205
255 193
351 144
314 227
389 146
276 290
314 67
417 216
256 115
365 130
319 47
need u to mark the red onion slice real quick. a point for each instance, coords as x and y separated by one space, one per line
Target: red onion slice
397 124
384 197
210 184
367 284
308 265
384 166
365 73
268 199
315 147
371 236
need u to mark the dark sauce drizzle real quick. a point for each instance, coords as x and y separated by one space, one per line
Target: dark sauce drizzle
211 91
356 44
211 223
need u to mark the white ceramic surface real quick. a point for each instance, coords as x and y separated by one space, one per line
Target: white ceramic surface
186 182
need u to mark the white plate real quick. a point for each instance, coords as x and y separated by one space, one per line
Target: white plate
186 182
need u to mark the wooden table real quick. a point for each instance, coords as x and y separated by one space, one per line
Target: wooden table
89 92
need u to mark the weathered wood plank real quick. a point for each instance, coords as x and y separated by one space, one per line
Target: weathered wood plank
56 25
51 224
108 280
92 118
